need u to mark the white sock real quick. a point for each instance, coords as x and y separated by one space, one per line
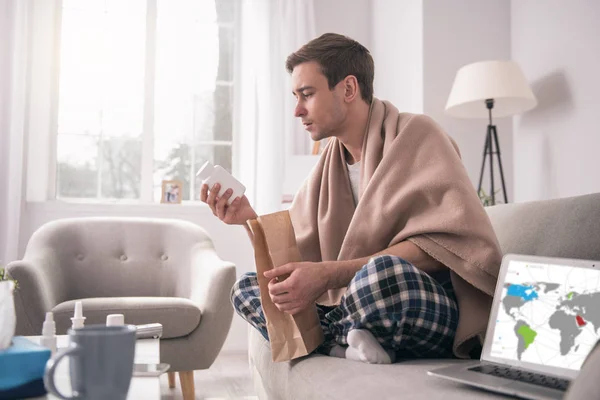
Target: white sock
338 351
363 346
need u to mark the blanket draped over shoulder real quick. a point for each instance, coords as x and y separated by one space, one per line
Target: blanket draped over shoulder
413 186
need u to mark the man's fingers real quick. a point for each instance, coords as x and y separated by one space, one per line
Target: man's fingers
208 198
204 193
235 204
214 191
281 270
222 204
233 207
276 288
212 198
281 298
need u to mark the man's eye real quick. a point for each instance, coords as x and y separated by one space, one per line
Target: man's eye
307 95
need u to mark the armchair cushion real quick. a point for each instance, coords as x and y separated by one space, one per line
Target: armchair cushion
178 316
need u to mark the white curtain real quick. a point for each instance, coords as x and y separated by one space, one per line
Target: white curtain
266 130
14 20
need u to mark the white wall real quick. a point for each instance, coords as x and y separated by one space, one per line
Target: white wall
350 18
457 33
397 50
556 145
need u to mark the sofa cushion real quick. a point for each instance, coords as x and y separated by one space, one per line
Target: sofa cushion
322 377
178 316
566 227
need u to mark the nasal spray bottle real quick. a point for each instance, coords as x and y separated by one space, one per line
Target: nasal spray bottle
78 318
49 333
211 174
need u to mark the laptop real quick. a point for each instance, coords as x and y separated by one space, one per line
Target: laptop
544 321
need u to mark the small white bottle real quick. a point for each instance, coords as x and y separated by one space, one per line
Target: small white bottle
115 319
211 174
78 318
49 333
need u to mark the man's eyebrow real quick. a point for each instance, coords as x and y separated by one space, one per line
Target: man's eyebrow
302 89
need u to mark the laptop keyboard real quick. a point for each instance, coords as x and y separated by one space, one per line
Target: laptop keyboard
523 376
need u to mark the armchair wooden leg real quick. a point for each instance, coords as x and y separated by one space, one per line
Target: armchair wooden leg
186 378
171 379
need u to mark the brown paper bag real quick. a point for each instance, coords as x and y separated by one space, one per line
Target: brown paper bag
275 245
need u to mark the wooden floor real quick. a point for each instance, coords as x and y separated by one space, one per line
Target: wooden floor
228 378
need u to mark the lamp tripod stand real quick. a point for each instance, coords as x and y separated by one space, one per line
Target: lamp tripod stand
491 139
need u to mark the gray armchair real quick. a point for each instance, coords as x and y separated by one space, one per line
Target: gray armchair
150 270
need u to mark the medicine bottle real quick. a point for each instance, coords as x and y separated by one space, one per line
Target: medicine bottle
48 338
211 174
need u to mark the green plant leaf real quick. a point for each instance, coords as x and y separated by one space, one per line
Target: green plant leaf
5 277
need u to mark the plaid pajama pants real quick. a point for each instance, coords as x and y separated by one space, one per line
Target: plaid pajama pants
407 310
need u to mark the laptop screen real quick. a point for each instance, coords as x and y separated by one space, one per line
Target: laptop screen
546 313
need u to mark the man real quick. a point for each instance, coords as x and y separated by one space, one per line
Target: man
394 239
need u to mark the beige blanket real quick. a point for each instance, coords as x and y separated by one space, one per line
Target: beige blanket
414 187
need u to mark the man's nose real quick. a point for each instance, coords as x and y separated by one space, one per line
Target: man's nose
299 111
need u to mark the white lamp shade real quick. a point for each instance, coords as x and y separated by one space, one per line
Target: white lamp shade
502 81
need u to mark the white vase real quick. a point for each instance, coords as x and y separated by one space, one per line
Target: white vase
8 319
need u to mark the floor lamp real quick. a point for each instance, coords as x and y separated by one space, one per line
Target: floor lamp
483 87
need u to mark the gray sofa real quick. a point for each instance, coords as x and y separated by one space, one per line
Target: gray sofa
568 227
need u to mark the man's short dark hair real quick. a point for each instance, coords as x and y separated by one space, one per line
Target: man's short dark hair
338 56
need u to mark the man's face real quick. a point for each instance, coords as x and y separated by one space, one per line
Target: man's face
321 110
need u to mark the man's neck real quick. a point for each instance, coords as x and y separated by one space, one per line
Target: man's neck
354 130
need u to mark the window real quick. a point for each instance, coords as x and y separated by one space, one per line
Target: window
145 95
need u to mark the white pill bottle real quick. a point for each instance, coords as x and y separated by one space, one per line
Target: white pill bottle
212 174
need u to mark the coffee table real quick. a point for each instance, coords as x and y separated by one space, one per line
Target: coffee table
147 351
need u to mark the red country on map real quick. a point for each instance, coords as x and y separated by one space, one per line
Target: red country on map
580 321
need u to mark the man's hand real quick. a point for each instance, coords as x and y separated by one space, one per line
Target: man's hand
305 283
236 213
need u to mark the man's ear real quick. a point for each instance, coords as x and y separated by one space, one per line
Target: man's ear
351 88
